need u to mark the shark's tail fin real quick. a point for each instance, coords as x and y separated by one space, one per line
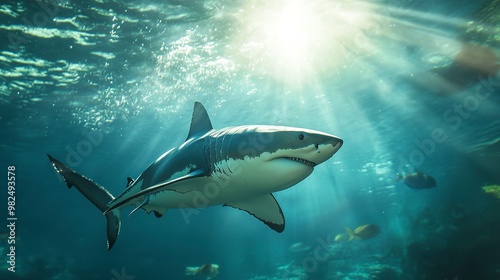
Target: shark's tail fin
98 195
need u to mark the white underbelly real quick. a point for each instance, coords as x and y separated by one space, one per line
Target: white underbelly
205 193
233 181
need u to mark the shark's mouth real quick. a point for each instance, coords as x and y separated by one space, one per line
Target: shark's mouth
303 161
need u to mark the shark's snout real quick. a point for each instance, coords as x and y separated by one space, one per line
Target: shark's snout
325 148
337 143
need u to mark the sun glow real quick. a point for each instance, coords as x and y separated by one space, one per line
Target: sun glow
291 33
294 41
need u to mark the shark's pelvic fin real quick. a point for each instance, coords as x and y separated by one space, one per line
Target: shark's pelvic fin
200 122
264 208
98 195
156 188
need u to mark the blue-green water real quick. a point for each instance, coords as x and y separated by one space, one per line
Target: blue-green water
108 86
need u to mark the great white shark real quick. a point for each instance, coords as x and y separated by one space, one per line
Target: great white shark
237 166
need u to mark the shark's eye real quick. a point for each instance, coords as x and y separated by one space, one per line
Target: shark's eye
301 136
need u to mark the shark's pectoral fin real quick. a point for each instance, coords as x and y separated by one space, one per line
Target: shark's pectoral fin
264 208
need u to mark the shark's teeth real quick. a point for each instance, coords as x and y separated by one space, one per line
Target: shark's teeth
306 162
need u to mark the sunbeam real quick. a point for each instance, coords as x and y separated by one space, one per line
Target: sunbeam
295 41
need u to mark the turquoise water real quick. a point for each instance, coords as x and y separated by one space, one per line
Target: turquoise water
108 86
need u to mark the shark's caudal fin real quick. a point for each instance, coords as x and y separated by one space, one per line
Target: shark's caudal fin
98 195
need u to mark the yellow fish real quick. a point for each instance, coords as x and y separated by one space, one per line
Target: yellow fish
363 232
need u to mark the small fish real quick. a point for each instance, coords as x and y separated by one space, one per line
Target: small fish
299 247
418 180
209 271
363 232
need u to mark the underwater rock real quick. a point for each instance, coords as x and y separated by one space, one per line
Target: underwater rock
484 28
446 230
385 273
41 268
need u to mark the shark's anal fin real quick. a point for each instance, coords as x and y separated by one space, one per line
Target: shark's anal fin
264 208
200 122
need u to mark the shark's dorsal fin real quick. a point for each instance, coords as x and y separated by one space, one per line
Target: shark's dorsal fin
200 122
264 208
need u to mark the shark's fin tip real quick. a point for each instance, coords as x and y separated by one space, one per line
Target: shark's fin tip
265 208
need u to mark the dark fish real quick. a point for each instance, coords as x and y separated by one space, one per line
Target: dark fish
473 61
478 56
418 180
471 64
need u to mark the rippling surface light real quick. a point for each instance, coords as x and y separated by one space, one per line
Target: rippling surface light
134 57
